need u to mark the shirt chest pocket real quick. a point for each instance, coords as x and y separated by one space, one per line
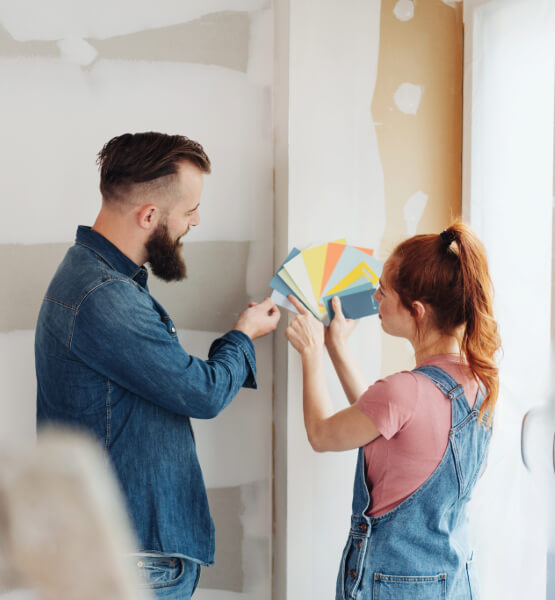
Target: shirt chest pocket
170 326
165 318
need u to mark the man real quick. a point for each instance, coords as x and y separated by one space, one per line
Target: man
108 359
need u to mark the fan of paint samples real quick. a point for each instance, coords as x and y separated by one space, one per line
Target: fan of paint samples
318 273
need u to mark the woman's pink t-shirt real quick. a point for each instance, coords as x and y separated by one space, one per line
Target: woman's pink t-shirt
414 419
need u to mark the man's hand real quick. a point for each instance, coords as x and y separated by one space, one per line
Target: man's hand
258 319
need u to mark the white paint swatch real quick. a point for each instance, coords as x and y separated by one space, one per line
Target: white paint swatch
407 98
413 211
404 10
281 300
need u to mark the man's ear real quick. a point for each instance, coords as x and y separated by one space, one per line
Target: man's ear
147 216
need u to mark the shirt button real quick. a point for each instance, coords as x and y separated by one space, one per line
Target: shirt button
173 329
140 564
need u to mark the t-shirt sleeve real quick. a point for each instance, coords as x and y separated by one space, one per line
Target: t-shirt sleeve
390 402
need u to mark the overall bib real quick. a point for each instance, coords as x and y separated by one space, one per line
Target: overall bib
420 550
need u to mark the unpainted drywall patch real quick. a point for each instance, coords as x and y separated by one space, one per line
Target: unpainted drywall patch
58 19
29 270
261 53
209 299
407 98
241 517
18 388
413 211
226 508
10 47
256 521
214 294
404 10
220 39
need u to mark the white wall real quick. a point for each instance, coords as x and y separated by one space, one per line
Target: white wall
508 199
334 188
75 75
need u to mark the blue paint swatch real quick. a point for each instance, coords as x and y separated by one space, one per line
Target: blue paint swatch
356 302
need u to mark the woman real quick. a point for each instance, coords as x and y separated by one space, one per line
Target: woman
423 435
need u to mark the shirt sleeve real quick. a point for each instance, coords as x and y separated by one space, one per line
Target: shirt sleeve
118 333
390 402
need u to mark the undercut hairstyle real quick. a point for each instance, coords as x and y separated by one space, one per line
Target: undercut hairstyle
449 272
136 160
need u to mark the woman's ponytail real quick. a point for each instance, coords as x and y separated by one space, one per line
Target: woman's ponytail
480 341
449 272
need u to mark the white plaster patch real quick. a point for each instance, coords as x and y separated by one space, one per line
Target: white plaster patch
77 51
58 19
404 10
407 98
414 208
17 388
235 447
72 113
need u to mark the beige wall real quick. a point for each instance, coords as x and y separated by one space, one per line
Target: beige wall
417 110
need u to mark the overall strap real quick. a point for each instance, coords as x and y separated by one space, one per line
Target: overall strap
450 388
361 495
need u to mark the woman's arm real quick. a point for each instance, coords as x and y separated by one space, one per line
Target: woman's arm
351 377
326 430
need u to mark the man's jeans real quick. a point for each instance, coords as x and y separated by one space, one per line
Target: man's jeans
168 577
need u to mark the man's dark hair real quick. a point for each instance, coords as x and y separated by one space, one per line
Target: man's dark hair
135 158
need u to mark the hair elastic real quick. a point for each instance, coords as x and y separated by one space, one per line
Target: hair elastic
447 237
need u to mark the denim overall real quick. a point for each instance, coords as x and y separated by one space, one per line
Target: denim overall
420 550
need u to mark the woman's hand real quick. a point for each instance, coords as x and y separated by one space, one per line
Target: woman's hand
339 329
305 333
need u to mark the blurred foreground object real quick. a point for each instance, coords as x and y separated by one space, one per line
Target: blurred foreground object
64 532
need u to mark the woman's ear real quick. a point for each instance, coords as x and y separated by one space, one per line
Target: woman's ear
418 311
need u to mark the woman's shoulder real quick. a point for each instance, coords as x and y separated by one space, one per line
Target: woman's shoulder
391 402
394 386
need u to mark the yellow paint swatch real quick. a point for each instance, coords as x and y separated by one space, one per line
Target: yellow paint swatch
361 270
315 261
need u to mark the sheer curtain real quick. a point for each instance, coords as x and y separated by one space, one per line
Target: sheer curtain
507 198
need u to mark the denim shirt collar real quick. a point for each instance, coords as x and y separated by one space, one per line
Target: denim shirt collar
110 254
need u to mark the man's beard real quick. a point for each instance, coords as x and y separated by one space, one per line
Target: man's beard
164 255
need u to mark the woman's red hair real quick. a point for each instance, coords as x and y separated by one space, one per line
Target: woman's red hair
449 273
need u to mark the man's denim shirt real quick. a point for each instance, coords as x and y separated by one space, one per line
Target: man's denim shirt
108 360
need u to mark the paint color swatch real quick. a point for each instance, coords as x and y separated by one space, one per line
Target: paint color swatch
316 274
